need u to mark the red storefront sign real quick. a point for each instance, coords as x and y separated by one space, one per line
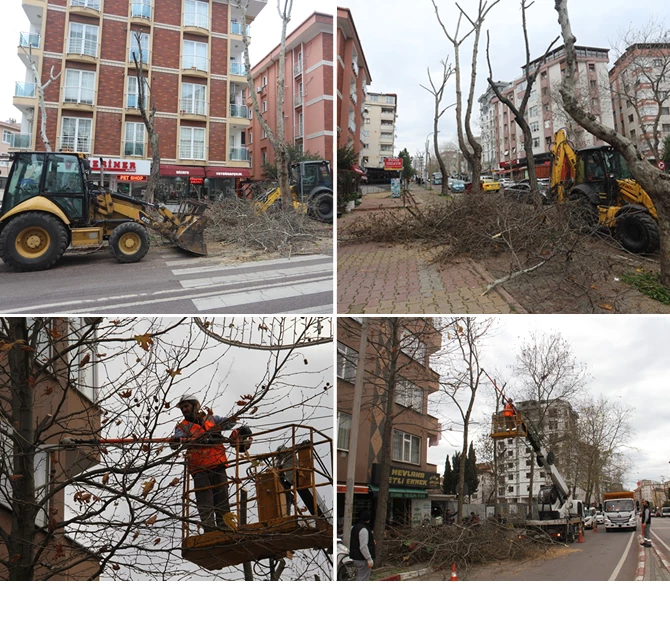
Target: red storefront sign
197 180
113 166
132 178
393 164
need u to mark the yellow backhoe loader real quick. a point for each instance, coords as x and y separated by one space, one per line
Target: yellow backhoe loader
50 204
599 182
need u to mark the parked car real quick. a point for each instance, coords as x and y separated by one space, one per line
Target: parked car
600 518
521 192
505 182
487 185
456 185
665 511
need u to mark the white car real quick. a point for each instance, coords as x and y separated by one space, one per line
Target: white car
600 518
589 517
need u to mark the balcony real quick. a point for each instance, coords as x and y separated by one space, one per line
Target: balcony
297 100
30 40
193 108
134 149
78 98
141 11
21 141
237 69
78 49
299 130
85 7
353 96
34 10
237 29
352 125
196 23
193 65
297 69
25 90
239 111
240 154
74 143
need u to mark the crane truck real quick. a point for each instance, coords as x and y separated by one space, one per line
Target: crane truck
619 510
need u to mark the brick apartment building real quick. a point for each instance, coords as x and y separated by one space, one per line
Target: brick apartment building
379 128
414 429
192 51
308 101
640 82
7 130
503 151
353 77
69 393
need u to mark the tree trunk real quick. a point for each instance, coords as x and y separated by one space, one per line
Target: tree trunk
530 157
393 350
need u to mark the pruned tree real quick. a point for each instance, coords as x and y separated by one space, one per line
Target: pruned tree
645 83
148 118
470 147
519 111
275 136
655 182
437 91
40 88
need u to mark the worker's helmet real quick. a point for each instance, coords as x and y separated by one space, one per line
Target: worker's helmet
241 438
189 398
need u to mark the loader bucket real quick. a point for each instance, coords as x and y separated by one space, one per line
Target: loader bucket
191 227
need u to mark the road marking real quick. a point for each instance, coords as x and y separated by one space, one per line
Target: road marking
615 573
655 535
281 274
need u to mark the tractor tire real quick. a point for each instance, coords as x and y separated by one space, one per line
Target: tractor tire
584 215
129 242
321 207
637 232
33 241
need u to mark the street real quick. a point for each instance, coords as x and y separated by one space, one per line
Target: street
168 280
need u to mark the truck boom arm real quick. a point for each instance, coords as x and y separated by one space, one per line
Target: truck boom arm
546 460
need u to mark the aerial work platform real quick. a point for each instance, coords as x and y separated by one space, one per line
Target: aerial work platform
508 426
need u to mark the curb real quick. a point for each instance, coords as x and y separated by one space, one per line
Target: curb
409 575
641 559
662 557
509 299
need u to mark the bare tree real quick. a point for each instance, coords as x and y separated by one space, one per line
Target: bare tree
471 148
548 373
655 182
275 136
147 117
438 92
645 84
520 111
41 87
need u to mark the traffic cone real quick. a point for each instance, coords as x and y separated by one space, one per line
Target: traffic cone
454 577
581 536
595 527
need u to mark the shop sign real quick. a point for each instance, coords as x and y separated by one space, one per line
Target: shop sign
393 164
132 178
140 167
408 477
197 180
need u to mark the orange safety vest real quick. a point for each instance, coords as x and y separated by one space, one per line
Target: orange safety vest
205 456
509 410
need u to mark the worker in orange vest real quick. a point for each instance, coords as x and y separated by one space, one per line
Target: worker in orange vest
206 460
509 412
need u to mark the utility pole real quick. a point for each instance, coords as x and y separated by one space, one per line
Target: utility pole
353 434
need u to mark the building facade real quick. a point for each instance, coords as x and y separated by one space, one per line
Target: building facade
353 77
640 82
414 429
192 56
503 143
308 100
7 131
656 492
379 128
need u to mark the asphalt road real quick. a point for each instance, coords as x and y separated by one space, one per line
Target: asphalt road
169 281
660 534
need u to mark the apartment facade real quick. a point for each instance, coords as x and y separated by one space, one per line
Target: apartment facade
657 493
308 93
640 82
66 391
7 131
192 56
379 128
503 142
353 78
414 429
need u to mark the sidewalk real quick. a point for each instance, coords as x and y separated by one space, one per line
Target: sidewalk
400 279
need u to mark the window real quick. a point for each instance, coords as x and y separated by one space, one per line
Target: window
592 67
510 453
195 56
510 477
630 118
527 475
510 489
406 447
367 121
133 96
528 462
535 126
89 4
76 135
193 98
83 39
82 377
79 87
134 143
196 13
547 141
510 441
347 361
264 157
134 51
141 8
501 492
593 84
192 143
412 346
510 465
665 111
343 430
543 475
666 128
532 112
536 143
7 136
527 450
390 100
543 74
265 107
386 147
409 395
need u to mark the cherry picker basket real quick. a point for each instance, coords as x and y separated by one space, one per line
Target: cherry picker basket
508 426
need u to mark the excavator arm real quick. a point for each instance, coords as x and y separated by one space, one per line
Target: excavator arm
563 164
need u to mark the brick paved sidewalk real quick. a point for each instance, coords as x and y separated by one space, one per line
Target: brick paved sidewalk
397 279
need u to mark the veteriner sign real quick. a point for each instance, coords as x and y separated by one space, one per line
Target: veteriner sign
409 478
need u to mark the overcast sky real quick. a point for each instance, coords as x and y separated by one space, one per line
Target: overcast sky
401 41
626 357
265 34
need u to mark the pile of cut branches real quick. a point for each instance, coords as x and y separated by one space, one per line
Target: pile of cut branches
238 221
441 546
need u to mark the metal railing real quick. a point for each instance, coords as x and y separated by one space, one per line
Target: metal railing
239 111
25 90
193 106
352 125
30 40
298 130
133 101
88 4
239 153
141 9
134 50
21 141
297 100
193 18
354 97
194 62
236 68
133 148
237 29
74 143
297 68
81 46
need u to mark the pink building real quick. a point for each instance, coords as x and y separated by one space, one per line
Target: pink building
308 95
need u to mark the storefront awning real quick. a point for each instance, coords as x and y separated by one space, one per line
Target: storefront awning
402 493
215 172
174 170
357 489
357 169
